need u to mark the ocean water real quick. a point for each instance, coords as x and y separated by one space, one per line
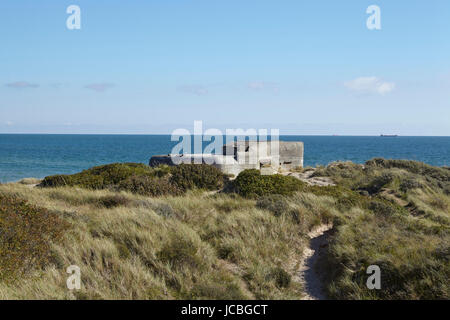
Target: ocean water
38 156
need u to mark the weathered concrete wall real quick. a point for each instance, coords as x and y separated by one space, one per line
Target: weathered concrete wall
241 156
291 154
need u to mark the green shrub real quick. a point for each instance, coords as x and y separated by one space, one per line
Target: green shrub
409 184
226 251
142 179
26 234
281 277
200 176
379 182
116 172
57 181
162 170
150 186
100 177
251 184
446 188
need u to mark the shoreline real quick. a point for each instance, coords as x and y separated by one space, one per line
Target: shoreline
304 168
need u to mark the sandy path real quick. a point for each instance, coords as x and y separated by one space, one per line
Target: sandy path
307 273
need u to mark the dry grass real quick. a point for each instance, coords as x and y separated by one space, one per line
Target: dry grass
162 248
407 234
204 245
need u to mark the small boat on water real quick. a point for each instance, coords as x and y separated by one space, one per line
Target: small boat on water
389 135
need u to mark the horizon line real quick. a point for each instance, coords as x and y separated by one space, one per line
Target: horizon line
169 134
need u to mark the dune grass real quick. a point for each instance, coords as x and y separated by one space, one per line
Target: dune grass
206 245
403 227
194 246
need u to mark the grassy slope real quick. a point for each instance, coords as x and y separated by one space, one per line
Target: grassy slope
222 246
409 241
192 246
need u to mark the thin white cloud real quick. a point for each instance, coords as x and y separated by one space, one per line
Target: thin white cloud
370 85
194 89
263 86
9 123
22 85
99 87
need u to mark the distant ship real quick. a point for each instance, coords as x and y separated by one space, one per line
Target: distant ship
389 135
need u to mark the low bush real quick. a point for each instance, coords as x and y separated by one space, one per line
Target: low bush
150 186
116 172
60 180
378 182
251 184
200 176
26 234
446 188
141 179
281 277
226 251
409 184
100 177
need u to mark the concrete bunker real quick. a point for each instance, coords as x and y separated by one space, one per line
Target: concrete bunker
268 156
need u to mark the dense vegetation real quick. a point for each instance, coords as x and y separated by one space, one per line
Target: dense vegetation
251 184
25 235
402 226
153 233
141 179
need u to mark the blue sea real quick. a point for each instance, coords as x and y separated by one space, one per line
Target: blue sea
23 155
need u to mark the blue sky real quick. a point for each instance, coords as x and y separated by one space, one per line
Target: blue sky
305 67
